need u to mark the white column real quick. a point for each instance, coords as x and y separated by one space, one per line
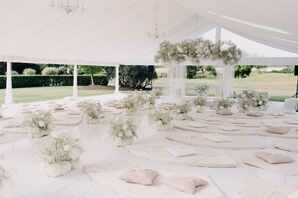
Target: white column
219 69
75 81
117 79
8 91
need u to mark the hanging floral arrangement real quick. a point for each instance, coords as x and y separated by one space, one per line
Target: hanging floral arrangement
198 50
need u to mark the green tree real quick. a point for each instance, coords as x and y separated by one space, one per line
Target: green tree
191 71
91 70
243 71
136 76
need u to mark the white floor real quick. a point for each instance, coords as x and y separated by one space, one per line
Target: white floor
29 180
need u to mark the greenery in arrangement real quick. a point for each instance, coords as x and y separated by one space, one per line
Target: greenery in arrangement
200 102
260 101
93 111
252 100
202 89
182 108
60 154
198 50
4 176
222 104
138 77
162 118
245 100
29 72
40 124
123 130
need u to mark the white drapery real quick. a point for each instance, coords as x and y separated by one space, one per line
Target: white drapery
110 32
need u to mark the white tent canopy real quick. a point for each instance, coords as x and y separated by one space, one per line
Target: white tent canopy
110 32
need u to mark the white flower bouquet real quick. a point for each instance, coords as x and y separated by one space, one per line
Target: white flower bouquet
163 119
93 112
60 155
182 109
4 176
222 104
40 124
123 130
200 102
202 89
156 92
245 100
260 101
150 101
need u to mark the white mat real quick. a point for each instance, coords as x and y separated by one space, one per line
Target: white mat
107 176
205 158
214 129
16 130
260 188
287 145
288 169
5 138
67 122
237 143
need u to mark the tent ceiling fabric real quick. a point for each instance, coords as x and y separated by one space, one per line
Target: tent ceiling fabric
110 32
271 22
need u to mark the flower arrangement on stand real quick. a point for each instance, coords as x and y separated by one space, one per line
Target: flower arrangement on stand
200 102
202 89
93 112
40 124
197 50
60 154
260 101
162 119
245 100
182 109
123 130
4 177
222 105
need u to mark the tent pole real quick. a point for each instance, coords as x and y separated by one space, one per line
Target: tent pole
8 91
117 79
75 82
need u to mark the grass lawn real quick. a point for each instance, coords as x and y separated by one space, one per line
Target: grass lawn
47 93
278 85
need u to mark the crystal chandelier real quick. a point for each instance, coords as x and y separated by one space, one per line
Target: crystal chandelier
156 34
68 6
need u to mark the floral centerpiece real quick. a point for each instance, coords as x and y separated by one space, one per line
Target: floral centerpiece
182 108
123 130
197 50
200 102
40 124
222 104
150 101
156 92
202 89
260 101
60 155
93 112
4 176
162 119
245 100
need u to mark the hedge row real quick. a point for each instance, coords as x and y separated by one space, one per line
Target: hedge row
45 81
